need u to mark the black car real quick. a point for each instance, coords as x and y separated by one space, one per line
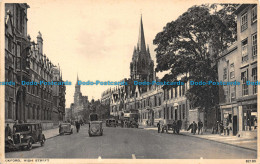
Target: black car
25 135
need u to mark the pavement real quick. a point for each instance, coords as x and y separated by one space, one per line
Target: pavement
246 143
131 143
50 133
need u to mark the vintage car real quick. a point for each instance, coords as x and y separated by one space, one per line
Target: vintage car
95 126
134 124
65 128
111 123
24 135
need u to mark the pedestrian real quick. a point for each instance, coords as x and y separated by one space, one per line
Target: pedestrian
229 127
178 126
77 126
217 130
159 127
221 127
174 127
162 127
200 126
194 128
226 130
8 131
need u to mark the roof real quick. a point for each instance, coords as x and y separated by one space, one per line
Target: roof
240 8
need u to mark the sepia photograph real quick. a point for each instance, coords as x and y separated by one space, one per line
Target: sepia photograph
128 81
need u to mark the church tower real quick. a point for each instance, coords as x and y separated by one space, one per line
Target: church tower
77 94
142 66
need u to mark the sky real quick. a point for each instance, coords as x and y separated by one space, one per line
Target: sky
96 39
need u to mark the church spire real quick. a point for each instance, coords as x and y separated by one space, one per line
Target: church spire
77 79
141 40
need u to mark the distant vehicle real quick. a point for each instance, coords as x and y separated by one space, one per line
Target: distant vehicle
25 135
65 128
95 126
111 122
131 120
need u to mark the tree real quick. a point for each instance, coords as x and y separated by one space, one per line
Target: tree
191 44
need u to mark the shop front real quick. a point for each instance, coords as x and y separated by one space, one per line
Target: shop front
249 117
248 114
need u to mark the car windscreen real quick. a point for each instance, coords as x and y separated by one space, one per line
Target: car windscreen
64 125
22 128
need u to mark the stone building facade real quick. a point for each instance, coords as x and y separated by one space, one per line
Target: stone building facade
17 45
26 62
238 103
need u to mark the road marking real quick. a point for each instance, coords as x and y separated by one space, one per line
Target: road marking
133 156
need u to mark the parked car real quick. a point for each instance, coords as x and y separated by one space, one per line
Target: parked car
95 126
25 135
65 128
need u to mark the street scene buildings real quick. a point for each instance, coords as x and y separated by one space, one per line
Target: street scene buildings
26 61
238 104
167 107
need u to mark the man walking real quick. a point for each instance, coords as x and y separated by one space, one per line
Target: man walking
200 126
178 126
77 126
174 126
159 127
194 127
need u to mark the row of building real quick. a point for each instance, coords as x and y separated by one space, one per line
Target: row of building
237 105
25 61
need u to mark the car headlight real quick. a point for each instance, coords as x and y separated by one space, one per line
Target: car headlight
21 136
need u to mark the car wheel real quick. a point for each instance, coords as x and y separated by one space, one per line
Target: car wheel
71 132
29 144
90 135
43 141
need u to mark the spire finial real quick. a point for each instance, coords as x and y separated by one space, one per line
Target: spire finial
141 40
